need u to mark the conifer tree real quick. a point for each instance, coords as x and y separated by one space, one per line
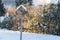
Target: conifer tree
19 2
2 10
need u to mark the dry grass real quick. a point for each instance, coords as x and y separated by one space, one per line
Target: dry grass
11 10
32 10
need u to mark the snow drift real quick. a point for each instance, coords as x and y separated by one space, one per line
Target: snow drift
15 35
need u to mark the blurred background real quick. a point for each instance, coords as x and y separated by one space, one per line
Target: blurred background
43 16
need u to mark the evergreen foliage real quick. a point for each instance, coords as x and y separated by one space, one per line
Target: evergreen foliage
2 10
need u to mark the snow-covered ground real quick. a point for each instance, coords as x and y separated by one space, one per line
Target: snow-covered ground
9 35
15 35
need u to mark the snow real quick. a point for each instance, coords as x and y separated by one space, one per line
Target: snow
33 36
42 2
23 8
9 35
15 35
1 19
